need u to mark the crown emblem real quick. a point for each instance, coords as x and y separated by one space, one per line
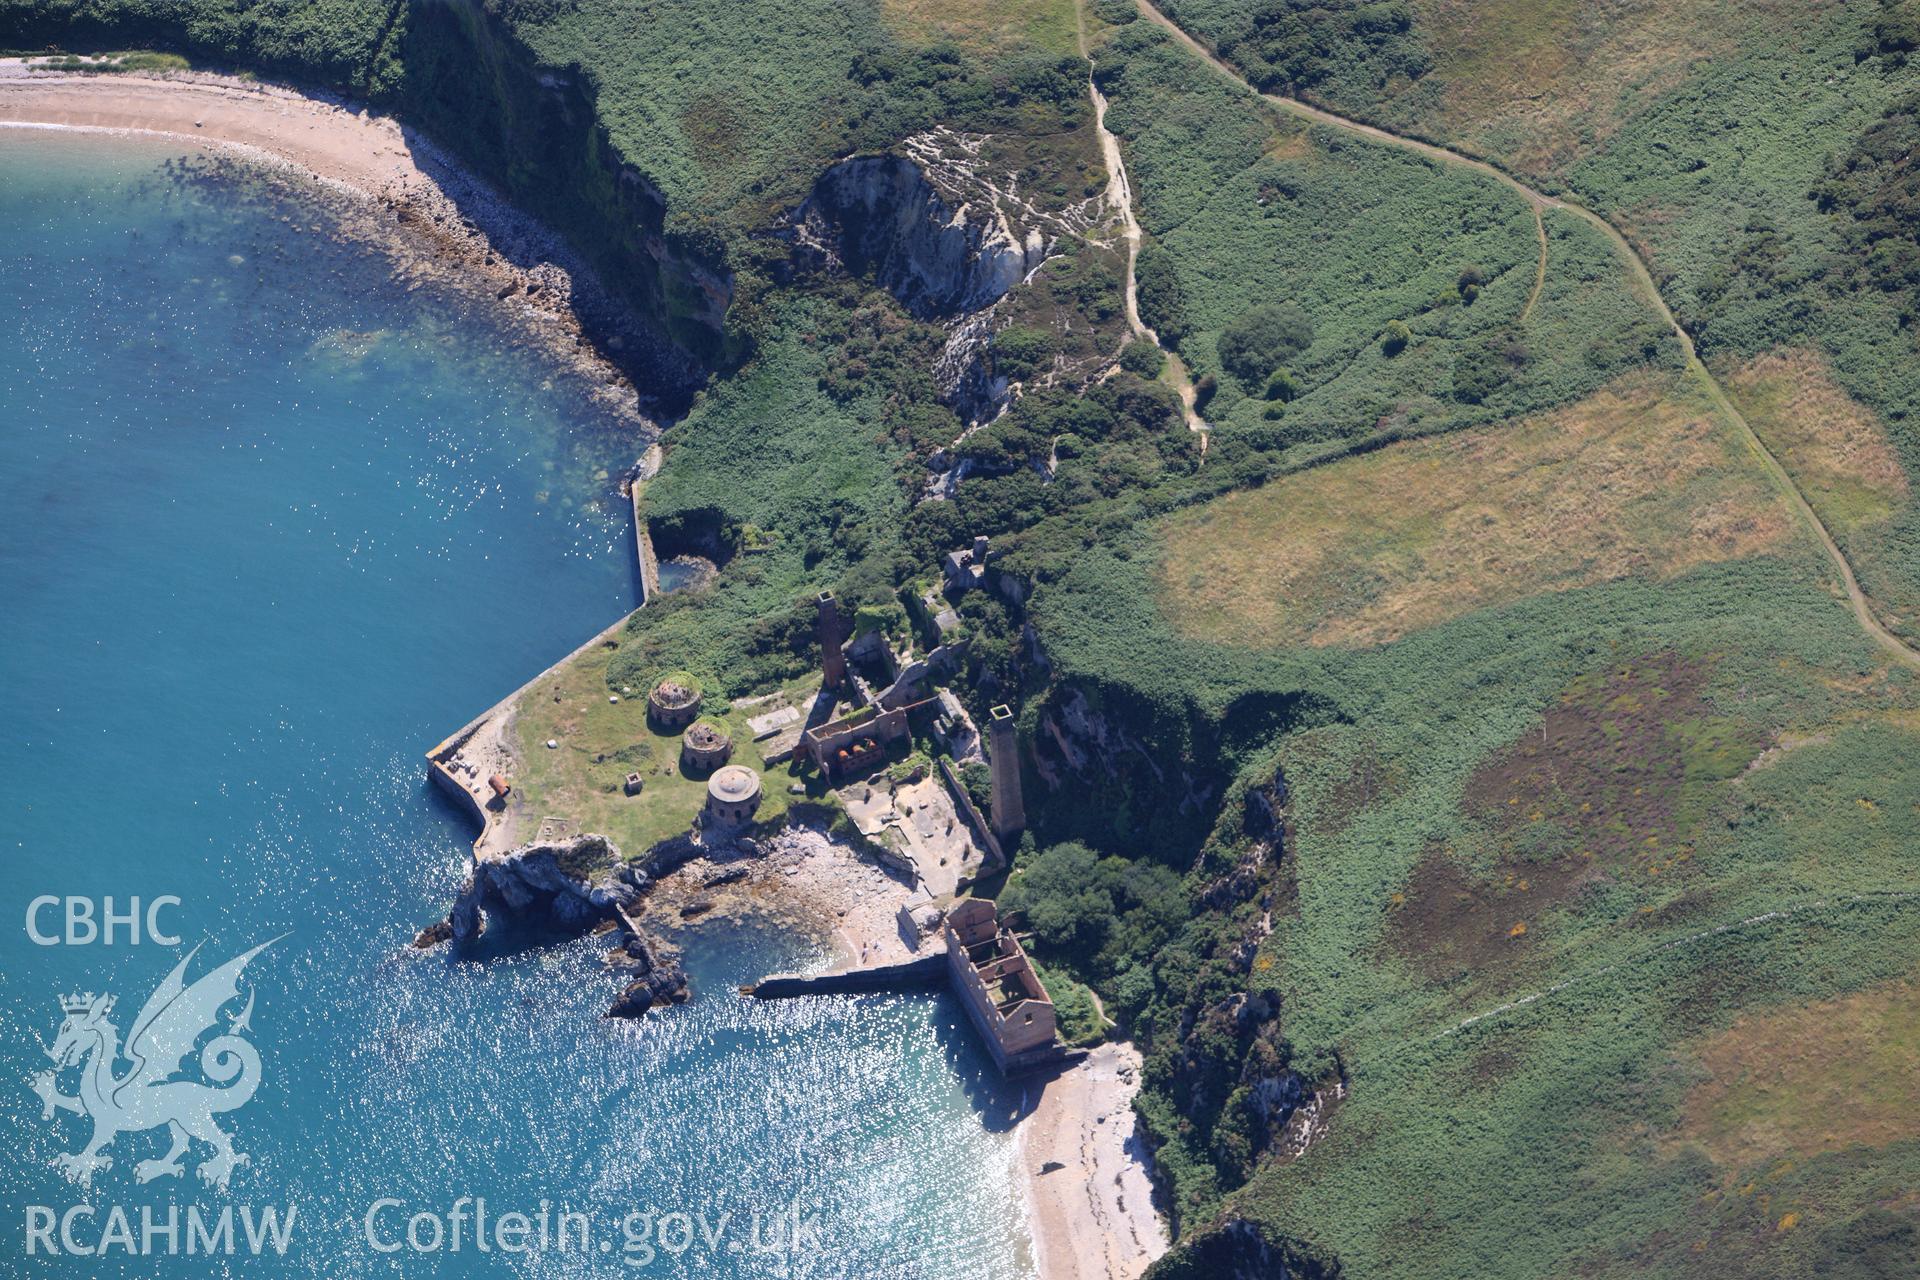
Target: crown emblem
81 1002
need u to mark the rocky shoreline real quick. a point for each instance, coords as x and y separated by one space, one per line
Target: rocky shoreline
383 185
798 879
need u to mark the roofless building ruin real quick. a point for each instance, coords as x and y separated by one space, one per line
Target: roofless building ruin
1005 999
674 702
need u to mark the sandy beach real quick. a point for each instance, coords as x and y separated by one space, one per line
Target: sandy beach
394 188
363 152
1092 1218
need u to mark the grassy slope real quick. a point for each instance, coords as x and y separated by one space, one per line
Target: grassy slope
738 128
1699 130
1642 477
1554 1139
1559 1138
731 111
766 448
1510 1151
1249 209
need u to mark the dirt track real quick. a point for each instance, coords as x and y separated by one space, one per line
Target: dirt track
1120 192
1643 283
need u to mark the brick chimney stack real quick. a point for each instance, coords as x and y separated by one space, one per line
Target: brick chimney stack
1003 759
832 636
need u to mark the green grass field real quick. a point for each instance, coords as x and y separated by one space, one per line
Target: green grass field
1705 140
1246 208
1639 478
601 742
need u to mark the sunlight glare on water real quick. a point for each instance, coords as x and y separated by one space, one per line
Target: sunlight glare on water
272 526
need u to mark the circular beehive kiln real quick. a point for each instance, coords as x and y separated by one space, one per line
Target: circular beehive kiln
733 793
704 748
675 701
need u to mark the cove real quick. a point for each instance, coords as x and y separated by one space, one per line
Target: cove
271 524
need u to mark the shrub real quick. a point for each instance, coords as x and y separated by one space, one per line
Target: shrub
1020 352
1142 359
977 778
1260 340
1472 276
1396 338
1488 365
1282 386
1162 300
1873 192
912 768
1638 343
1305 43
1076 1016
1897 31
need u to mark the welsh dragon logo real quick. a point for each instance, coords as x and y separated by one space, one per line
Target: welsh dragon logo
146 1095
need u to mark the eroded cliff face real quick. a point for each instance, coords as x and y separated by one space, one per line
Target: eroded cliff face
534 132
965 375
570 885
933 229
1084 742
940 255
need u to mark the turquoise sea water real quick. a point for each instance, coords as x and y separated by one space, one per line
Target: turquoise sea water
270 525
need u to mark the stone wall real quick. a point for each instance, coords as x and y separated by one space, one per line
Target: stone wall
1023 1036
888 727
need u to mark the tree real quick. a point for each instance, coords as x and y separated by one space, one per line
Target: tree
1396 338
1282 386
1263 339
1060 895
1112 912
1142 358
1472 276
